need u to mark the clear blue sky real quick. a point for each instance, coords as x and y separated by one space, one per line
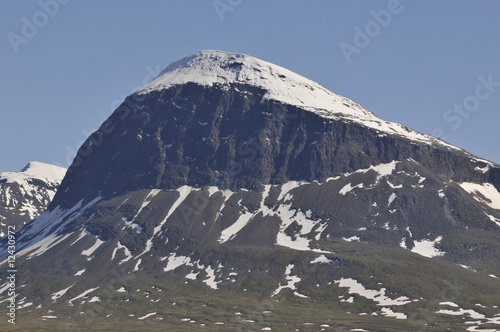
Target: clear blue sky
69 73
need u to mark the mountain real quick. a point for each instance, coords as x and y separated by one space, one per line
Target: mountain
232 194
26 194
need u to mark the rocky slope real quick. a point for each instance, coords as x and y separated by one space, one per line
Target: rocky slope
238 181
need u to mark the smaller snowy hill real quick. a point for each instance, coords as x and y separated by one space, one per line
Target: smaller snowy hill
26 194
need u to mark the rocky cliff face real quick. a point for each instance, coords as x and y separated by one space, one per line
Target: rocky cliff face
26 194
241 179
229 137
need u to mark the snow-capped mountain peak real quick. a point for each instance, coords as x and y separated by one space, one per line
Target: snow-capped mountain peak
218 67
43 170
211 67
26 194
35 169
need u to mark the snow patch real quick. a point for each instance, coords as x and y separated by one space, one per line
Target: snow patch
299 241
449 303
460 312
210 281
230 232
212 190
354 287
389 313
484 193
83 233
176 261
482 169
147 200
427 247
57 295
128 254
90 251
79 273
287 187
399 186
45 244
383 170
291 280
495 220
183 191
391 199
402 243
147 315
136 267
88 291
350 239
245 216
320 259
348 187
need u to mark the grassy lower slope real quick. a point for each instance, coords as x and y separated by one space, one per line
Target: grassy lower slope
167 301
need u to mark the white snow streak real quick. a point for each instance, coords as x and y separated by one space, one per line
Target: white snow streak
57 295
147 315
90 251
88 291
354 287
79 273
348 187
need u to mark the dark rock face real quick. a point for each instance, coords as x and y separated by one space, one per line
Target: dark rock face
231 138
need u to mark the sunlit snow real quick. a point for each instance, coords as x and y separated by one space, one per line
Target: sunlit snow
426 247
60 293
354 287
291 281
484 193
